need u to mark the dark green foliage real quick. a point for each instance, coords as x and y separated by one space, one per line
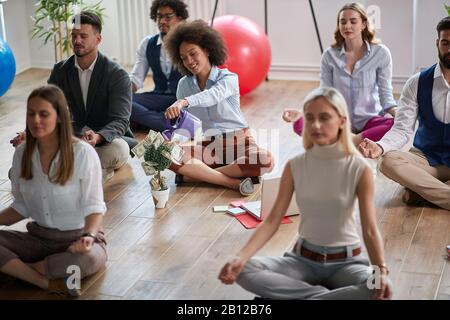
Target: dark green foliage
159 161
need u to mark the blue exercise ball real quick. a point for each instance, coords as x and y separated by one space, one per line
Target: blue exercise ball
7 67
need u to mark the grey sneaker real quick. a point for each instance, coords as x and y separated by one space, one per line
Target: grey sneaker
246 187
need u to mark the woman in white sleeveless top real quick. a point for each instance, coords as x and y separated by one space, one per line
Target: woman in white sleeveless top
326 262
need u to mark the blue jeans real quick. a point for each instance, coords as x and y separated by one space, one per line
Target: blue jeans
296 277
148 109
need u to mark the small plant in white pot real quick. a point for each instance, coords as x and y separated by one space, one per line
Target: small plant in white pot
156 161
158 155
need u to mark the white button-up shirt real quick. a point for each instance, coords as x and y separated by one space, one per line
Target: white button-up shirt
55 206
405 120
85 78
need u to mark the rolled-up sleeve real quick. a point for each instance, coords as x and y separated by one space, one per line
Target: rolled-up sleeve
384 79
326 71
18 203
91 184
404 123
141 66
225 87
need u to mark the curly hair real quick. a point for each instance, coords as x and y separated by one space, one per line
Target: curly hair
178 6
368 34
200 33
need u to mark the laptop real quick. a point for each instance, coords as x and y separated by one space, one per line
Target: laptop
269 191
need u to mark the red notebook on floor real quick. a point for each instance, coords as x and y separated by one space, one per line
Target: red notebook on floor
250 222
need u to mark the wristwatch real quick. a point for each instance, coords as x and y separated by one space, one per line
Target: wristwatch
384 266
89 234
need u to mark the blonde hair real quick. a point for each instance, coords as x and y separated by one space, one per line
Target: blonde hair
56 98
337 101
368 34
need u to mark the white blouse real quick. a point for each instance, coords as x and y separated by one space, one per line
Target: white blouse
55 206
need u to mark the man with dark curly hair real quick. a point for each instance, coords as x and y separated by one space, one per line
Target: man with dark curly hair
148 107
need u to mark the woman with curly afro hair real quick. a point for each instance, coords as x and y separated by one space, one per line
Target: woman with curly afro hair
228 154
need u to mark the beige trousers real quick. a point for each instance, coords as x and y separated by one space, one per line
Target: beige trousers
113 155
412 170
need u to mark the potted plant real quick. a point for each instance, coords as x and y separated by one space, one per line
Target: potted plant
53 20
158 155
156 161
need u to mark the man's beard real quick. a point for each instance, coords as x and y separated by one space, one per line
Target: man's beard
163 33
445 60
82 54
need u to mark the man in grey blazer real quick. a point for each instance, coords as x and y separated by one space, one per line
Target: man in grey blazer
98 92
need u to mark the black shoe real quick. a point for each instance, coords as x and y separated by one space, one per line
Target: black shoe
179 179
256 180
411 198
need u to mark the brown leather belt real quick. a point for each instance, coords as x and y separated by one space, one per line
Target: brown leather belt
319 257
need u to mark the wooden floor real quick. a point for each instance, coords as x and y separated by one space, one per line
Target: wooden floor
176 252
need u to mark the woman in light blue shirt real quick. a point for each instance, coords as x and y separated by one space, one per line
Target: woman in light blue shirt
228 152
361 69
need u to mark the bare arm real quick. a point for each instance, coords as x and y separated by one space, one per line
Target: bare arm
371 234
92 226
134 88
93 223
392 111
9 216
264 232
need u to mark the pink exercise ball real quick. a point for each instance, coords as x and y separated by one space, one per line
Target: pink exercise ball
248 47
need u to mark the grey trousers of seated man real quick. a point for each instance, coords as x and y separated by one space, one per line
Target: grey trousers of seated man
295 277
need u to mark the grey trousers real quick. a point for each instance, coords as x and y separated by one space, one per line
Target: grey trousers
51 245
295 277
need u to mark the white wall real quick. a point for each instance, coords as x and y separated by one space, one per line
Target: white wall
428 15
17 32
295 50
43 56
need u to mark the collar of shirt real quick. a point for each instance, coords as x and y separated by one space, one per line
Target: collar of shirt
91 67
368 47
165 59
160 42
213 76
438 74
